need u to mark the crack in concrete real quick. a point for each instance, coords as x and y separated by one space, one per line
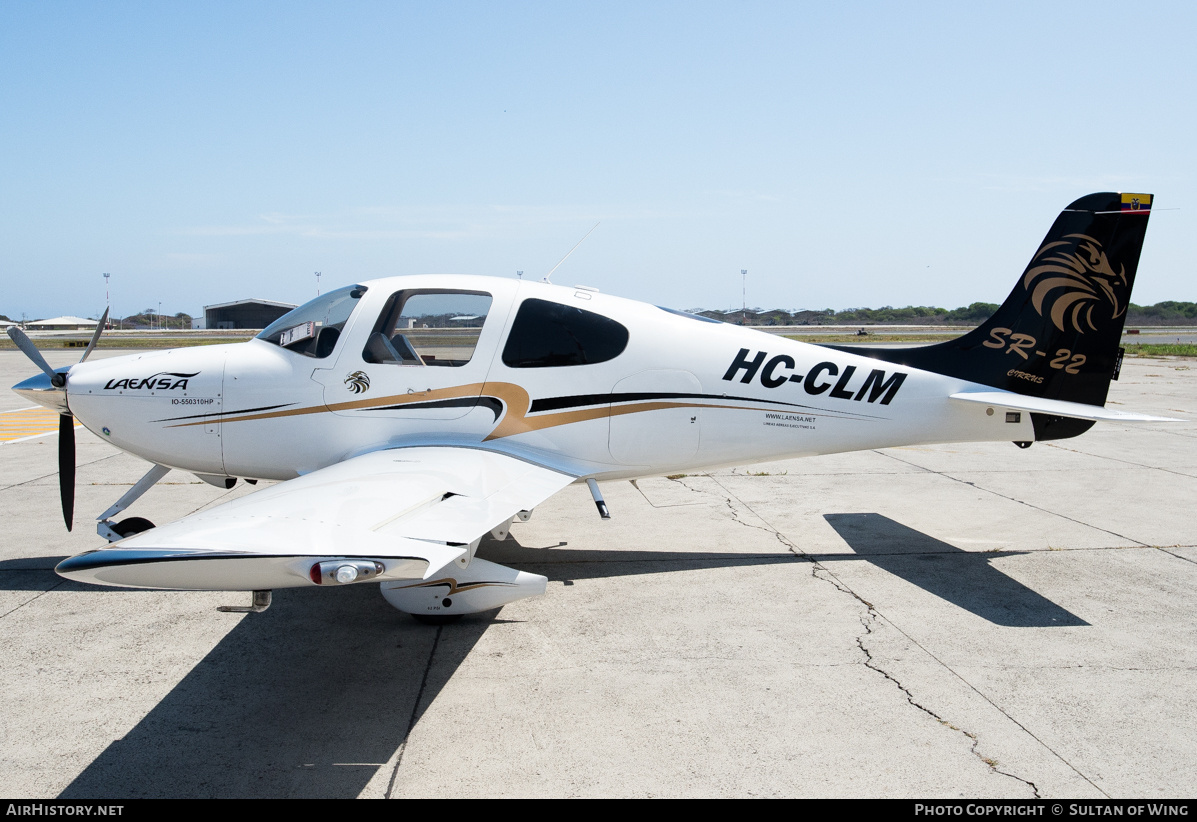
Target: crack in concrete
871 664
670 505
54 473
1178 556
213 502
1184 434
822 573
866 621
735 472
1031 505
1099 668
415 712
1115 459
793 549
35 598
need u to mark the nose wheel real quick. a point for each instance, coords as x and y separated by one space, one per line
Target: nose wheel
112 531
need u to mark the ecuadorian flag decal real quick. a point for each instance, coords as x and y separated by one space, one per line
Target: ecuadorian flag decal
1136 202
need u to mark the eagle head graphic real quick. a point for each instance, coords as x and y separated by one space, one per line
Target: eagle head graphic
1070 278
357 382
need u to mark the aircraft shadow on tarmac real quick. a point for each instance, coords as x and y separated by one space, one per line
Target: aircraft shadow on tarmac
312 697
308 699
964 578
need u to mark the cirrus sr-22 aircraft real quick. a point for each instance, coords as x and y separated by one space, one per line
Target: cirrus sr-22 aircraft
399 447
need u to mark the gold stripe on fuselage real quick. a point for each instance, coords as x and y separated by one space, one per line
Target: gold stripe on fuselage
454 587
514 398
453 392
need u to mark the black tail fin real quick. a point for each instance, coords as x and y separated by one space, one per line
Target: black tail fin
1057 335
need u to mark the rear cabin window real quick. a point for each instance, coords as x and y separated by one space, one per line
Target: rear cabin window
548 335
428 328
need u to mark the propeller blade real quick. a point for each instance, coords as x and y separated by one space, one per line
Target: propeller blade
25 344
96 336
66 467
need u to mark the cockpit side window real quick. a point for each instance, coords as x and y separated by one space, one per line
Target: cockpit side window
547 334
428 327
314 328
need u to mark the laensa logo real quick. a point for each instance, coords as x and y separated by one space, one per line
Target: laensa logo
162 381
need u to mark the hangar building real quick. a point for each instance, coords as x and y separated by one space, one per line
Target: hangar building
244 313
63 324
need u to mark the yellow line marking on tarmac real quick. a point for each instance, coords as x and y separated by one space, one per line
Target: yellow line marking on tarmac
27 424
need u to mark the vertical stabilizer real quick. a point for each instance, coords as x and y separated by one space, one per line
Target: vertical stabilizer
1057 335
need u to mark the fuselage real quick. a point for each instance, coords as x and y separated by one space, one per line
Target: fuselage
595 385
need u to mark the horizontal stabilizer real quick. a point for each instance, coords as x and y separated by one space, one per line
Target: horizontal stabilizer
1059 408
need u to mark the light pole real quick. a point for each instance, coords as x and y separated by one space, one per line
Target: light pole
107 299
160 315
317 283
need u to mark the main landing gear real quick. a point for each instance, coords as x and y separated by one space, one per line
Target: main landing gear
468 585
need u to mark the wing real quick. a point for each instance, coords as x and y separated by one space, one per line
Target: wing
405 513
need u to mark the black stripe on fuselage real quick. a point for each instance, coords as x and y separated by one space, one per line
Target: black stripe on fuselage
583 400
224 413
494 404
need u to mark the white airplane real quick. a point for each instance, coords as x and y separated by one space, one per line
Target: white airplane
401 446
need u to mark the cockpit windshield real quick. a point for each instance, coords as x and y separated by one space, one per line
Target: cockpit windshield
313 328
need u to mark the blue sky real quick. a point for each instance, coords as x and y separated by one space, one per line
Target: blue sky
854 154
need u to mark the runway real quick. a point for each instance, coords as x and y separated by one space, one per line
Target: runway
950 621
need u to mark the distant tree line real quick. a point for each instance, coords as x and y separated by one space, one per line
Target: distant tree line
149 318
1170 312
446 321
146 319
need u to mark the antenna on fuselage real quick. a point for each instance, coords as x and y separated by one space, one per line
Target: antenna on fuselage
571 251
